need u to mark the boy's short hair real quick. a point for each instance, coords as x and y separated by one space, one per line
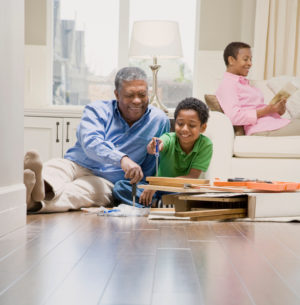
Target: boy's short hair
233 49
194 104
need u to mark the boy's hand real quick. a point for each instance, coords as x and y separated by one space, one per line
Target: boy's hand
132 170
146 197
151 146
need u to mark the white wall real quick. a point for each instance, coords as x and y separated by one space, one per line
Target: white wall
221 22
38 56
36 22
12 191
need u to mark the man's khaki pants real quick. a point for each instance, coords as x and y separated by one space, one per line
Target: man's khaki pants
74 187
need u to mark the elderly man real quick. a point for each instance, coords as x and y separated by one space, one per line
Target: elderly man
111 145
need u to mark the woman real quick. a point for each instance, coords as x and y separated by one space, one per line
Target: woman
244 104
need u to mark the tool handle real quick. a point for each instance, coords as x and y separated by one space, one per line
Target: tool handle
133 189
156 147
133 193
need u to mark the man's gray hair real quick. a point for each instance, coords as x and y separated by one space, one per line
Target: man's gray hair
128 74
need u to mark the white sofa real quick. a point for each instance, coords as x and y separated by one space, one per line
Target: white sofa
271 158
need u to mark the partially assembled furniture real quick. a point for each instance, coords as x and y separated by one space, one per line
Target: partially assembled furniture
196 200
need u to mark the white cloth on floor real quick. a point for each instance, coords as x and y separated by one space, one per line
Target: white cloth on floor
120 210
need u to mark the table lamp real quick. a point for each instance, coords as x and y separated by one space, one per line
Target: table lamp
155 39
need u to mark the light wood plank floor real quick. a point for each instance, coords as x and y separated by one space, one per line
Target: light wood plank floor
73 258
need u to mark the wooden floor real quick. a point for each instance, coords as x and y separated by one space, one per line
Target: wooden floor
73 258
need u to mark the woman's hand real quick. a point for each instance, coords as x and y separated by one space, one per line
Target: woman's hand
146 197
152 144
279 107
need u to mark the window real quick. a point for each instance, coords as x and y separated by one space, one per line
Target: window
86 39
85 50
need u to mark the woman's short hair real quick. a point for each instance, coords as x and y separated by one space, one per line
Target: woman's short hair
233 49
128 74
191 103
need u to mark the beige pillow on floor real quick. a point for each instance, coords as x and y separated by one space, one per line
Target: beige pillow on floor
213 104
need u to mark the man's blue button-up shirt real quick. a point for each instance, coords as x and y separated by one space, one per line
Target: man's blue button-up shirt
104 137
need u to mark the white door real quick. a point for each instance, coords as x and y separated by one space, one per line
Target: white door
44 134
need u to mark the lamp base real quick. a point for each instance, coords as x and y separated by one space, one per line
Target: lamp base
154 100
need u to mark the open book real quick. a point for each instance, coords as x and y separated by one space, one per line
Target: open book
287 90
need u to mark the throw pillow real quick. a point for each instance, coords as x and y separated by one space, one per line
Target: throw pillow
293 102
214 105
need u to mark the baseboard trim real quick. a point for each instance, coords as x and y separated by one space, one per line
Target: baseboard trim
12 207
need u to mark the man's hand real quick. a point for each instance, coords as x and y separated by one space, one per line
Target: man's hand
132 170
146 197
152 144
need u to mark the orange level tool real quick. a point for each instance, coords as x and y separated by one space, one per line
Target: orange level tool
273 186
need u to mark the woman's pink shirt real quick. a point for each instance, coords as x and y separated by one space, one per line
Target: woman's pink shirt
240 101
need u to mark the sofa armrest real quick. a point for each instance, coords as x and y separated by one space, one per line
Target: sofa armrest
220 131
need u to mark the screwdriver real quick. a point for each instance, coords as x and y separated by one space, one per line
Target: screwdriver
133 193
156 155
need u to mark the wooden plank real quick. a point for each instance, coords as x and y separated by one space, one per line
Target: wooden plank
198 189
170 189
219 217
226 189
218 199
155 210
176 182
210 212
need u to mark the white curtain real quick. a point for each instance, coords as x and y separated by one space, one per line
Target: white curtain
277 38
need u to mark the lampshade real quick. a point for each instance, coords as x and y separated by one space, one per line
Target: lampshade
155 38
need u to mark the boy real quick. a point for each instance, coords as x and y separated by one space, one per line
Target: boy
185 153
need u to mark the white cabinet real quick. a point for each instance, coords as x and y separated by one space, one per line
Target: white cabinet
50 136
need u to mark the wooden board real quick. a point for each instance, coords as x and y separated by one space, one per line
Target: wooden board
199 215
214 199
219 217
176 182
210 212
198 189
170 189
164 210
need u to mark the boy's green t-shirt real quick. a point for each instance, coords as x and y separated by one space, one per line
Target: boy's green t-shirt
175 162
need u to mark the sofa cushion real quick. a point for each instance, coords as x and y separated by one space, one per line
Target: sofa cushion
214 105
262 85
267 147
